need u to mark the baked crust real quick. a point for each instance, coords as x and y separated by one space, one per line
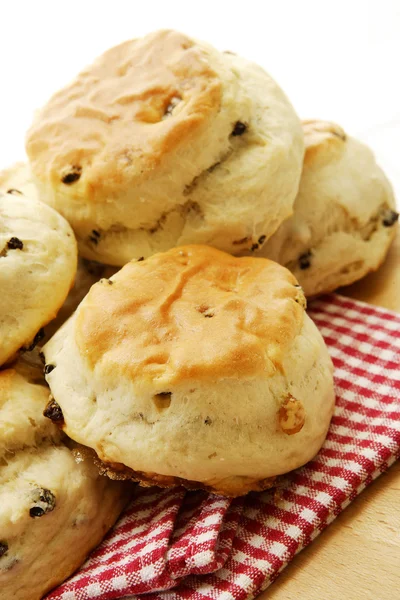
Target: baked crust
131 87
166 141
231 486
194 368
192 313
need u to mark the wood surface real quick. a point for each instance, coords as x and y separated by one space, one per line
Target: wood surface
358 556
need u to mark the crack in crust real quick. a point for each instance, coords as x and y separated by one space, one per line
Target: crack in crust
189 188
351 226
183 210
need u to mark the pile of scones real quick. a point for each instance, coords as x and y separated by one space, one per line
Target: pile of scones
156 252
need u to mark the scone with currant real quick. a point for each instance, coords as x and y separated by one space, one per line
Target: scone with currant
54 506
194 368
17 180
38 254
165 141
344 217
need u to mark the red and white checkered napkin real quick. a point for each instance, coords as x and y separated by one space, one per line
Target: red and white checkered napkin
207 547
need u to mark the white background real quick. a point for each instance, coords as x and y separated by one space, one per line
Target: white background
338 60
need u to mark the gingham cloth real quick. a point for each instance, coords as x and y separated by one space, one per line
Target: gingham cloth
207 547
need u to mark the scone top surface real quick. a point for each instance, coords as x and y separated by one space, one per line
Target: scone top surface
192 313
136 86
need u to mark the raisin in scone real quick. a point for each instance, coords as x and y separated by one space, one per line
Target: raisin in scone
54 506
194 367
38 258
165 141
344 215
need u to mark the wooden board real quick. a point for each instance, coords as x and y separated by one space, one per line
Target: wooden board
358 556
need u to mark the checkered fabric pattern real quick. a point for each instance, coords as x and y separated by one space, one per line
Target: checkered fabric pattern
202 547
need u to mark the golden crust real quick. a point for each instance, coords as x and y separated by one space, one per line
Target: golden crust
125 98
230 486
323 140
190 313
166 141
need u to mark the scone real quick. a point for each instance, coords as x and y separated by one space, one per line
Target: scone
18 180
88 273
194 367
344 215
38 257
54 506
166 141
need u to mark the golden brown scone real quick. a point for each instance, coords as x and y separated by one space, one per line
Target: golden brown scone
165 141
88 273
38 258
344 215
54 506
194 367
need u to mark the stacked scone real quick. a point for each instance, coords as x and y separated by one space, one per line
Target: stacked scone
195 364
55 507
